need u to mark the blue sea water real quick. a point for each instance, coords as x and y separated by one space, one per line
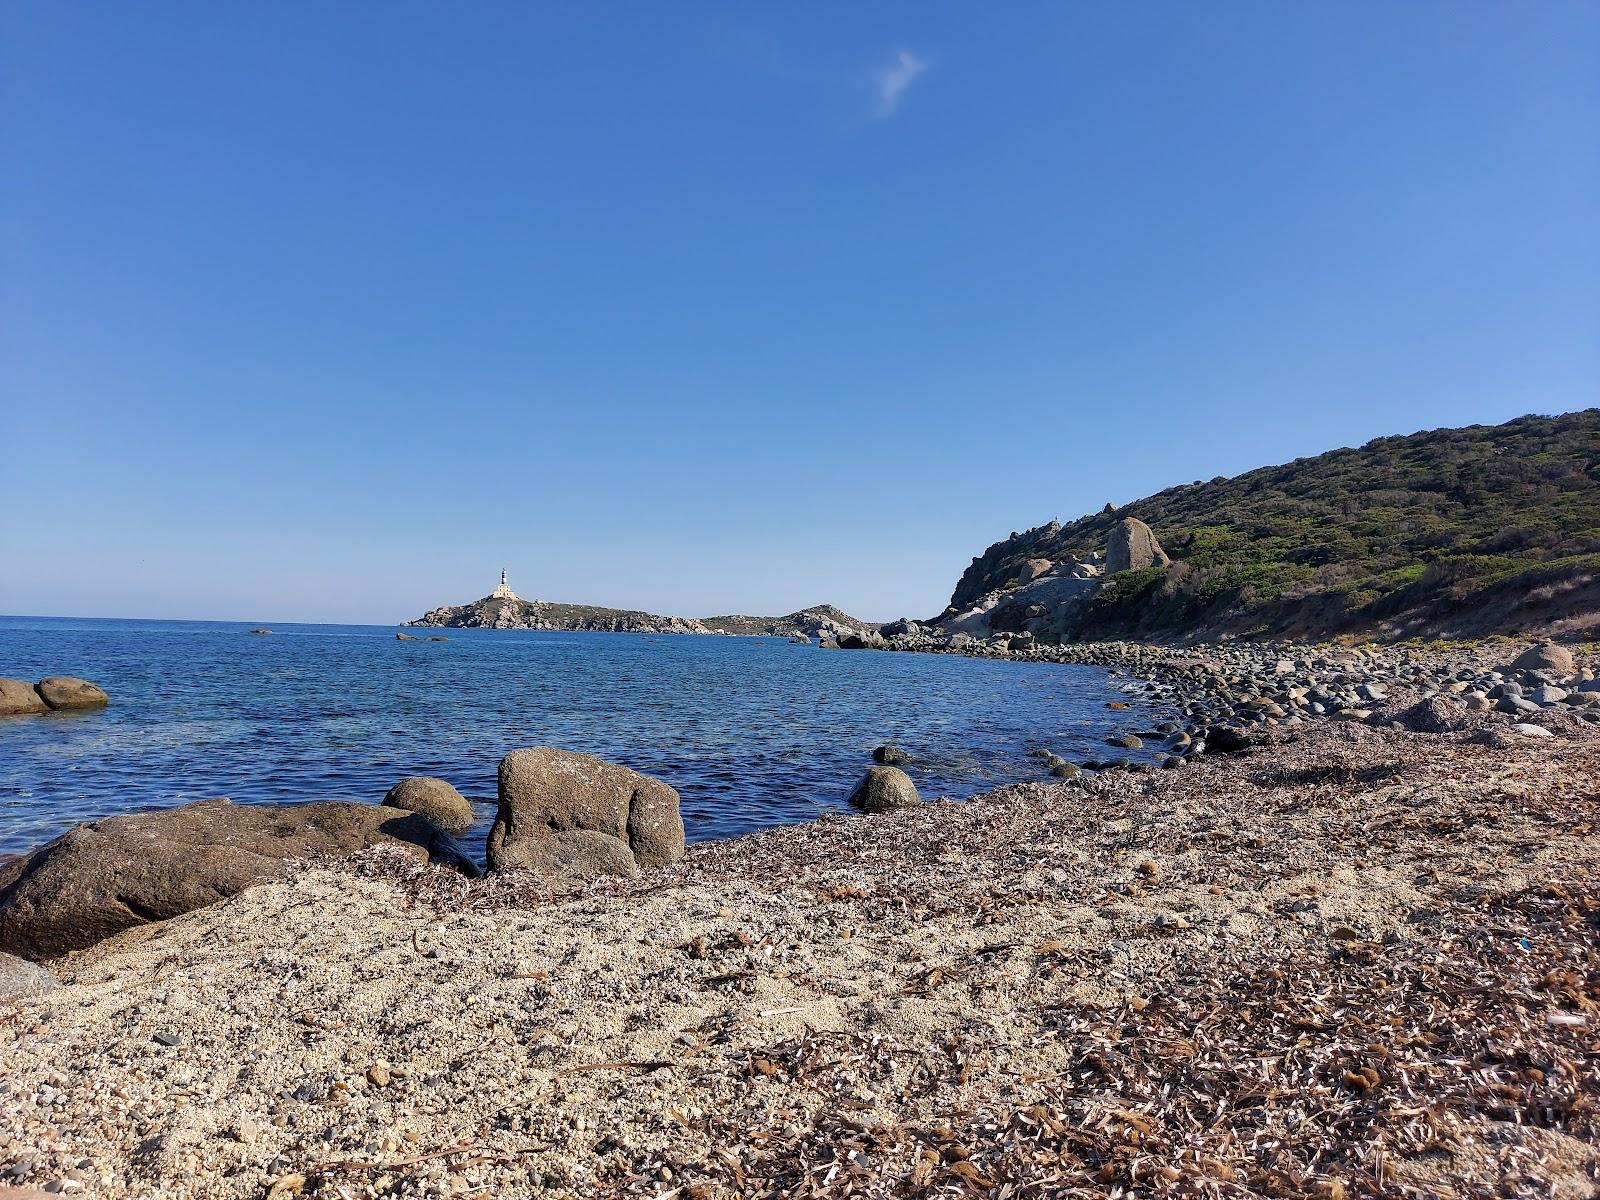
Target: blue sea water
753 732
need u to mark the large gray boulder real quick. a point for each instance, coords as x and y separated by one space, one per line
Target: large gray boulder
18 697
67 691
435 799
570 816
1546 656
885 788
101 878
1133 547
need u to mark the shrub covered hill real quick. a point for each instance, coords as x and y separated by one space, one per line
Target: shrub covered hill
1453 532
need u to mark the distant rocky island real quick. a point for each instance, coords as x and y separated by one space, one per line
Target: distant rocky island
504 609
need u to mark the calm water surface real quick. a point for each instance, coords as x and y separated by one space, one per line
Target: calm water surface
753 732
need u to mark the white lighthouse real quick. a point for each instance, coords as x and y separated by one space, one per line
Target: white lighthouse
503 592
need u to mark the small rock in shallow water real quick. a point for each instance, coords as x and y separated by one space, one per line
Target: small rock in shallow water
885 788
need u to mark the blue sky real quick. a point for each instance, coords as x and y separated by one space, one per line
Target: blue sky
327 312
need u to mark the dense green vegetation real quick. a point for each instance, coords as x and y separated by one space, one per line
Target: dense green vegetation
1470 529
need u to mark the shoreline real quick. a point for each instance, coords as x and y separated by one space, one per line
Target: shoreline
1044 986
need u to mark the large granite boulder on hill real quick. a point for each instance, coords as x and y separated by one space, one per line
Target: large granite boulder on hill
570 816
101 878
18 698
435 799
1132 546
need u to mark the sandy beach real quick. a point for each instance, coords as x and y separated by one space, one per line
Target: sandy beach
1352 961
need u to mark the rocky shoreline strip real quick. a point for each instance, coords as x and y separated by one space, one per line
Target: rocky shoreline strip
1223 696
1348 960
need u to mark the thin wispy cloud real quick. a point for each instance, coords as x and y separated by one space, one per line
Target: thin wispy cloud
894 80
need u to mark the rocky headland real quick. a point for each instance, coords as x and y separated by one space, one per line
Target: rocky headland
496 612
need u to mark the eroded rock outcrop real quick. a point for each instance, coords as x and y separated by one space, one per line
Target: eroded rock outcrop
103 877
1132 546
572 816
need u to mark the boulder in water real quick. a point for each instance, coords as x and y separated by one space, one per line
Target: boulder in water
890 755
885 788
67 691
435 799
568 815
18 698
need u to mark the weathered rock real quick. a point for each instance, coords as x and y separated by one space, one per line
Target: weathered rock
18 697
101 878
867 640
569 815
66 691
1132 547
1232 739
890 755
1033 569
20 978
1546 656
884 788
1433 714
434 799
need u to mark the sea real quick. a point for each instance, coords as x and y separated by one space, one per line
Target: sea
753 732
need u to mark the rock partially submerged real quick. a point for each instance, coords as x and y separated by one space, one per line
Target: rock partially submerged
103 877
68 691
883 789
435 799
19 698
571 816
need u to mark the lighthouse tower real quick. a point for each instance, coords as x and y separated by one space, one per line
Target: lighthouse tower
503 592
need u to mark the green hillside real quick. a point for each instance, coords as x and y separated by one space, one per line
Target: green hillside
1474 530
